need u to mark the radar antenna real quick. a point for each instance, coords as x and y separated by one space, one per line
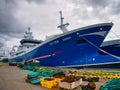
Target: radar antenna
63 26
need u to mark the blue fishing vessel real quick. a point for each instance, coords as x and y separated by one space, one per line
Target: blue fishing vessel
111 50
3 53
112 47
78 47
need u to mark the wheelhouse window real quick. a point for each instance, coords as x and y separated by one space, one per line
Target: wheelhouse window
81 41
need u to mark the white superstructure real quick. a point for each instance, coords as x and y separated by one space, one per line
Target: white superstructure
27 43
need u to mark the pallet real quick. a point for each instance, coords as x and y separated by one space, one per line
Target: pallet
69 86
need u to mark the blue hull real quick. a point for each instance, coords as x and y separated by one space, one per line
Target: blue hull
112 47
79 47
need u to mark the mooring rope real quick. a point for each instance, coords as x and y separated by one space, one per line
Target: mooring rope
114 56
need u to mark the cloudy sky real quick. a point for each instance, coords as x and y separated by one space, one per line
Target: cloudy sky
43 17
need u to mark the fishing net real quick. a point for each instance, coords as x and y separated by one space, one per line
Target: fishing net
111 85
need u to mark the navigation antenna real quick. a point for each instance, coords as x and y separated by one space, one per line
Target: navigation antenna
62 26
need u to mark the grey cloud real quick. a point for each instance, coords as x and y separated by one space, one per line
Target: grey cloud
115 7
35 1
1 44
112 7
97 3
9 26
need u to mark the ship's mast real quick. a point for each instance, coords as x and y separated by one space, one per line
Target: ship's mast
63 26
28 34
